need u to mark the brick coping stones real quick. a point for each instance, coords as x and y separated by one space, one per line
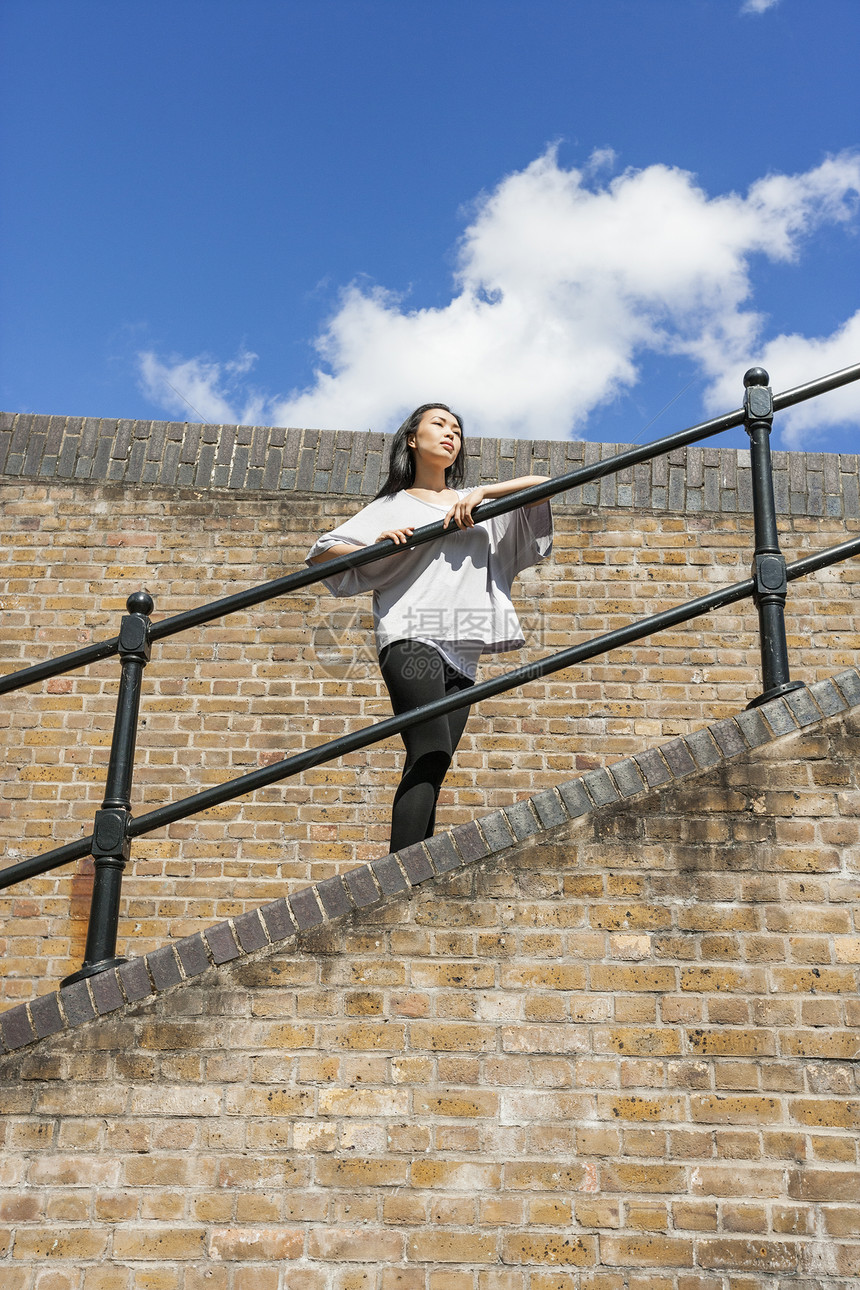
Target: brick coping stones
346 463
392 876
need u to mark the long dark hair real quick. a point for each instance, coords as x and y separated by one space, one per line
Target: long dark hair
401 462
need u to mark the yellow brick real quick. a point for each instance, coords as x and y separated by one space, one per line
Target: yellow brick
106 1278
467 976
364 1102
464 1104
539 1175
449 1037
732 1042
641 1177
368 1037
718 1109
618 979
456 1175
633 1041
544 977
159 1243
535 1249
634 1107
268 1102
451 1247
549 1212
356 1244
646 1251
352 1174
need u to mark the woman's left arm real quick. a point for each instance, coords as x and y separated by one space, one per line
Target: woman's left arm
461 511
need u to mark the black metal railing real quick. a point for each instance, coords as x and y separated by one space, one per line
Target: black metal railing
115 826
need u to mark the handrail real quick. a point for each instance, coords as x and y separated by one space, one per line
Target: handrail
115 827
427 533
379 730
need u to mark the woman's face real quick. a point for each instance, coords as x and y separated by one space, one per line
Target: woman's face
438 437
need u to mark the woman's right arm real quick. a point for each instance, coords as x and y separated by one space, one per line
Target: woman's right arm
398 536
340 548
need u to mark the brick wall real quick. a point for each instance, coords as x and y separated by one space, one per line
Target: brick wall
94 509
621 1054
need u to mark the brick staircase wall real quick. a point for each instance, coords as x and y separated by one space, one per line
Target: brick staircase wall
605 1039
92 510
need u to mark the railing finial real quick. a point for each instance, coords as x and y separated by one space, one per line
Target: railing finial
140 602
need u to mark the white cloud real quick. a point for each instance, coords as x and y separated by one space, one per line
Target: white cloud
757 6
601 159
202 386
791 361
564 285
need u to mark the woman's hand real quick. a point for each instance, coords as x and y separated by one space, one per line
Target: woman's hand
398 536
461 511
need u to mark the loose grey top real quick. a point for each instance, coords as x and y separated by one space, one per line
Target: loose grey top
453 593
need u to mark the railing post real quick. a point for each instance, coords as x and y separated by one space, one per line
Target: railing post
768 566
111 844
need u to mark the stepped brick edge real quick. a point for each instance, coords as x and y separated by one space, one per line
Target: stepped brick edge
393 876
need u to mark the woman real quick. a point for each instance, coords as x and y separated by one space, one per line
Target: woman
439 606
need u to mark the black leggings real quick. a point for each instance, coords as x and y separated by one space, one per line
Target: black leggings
415 673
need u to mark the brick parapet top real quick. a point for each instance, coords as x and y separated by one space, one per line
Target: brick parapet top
350 464
529 821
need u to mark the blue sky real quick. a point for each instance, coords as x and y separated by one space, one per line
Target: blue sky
560 216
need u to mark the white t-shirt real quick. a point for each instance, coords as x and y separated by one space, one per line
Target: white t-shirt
455 592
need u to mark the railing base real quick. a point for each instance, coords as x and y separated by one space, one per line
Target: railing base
92 969
775 691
